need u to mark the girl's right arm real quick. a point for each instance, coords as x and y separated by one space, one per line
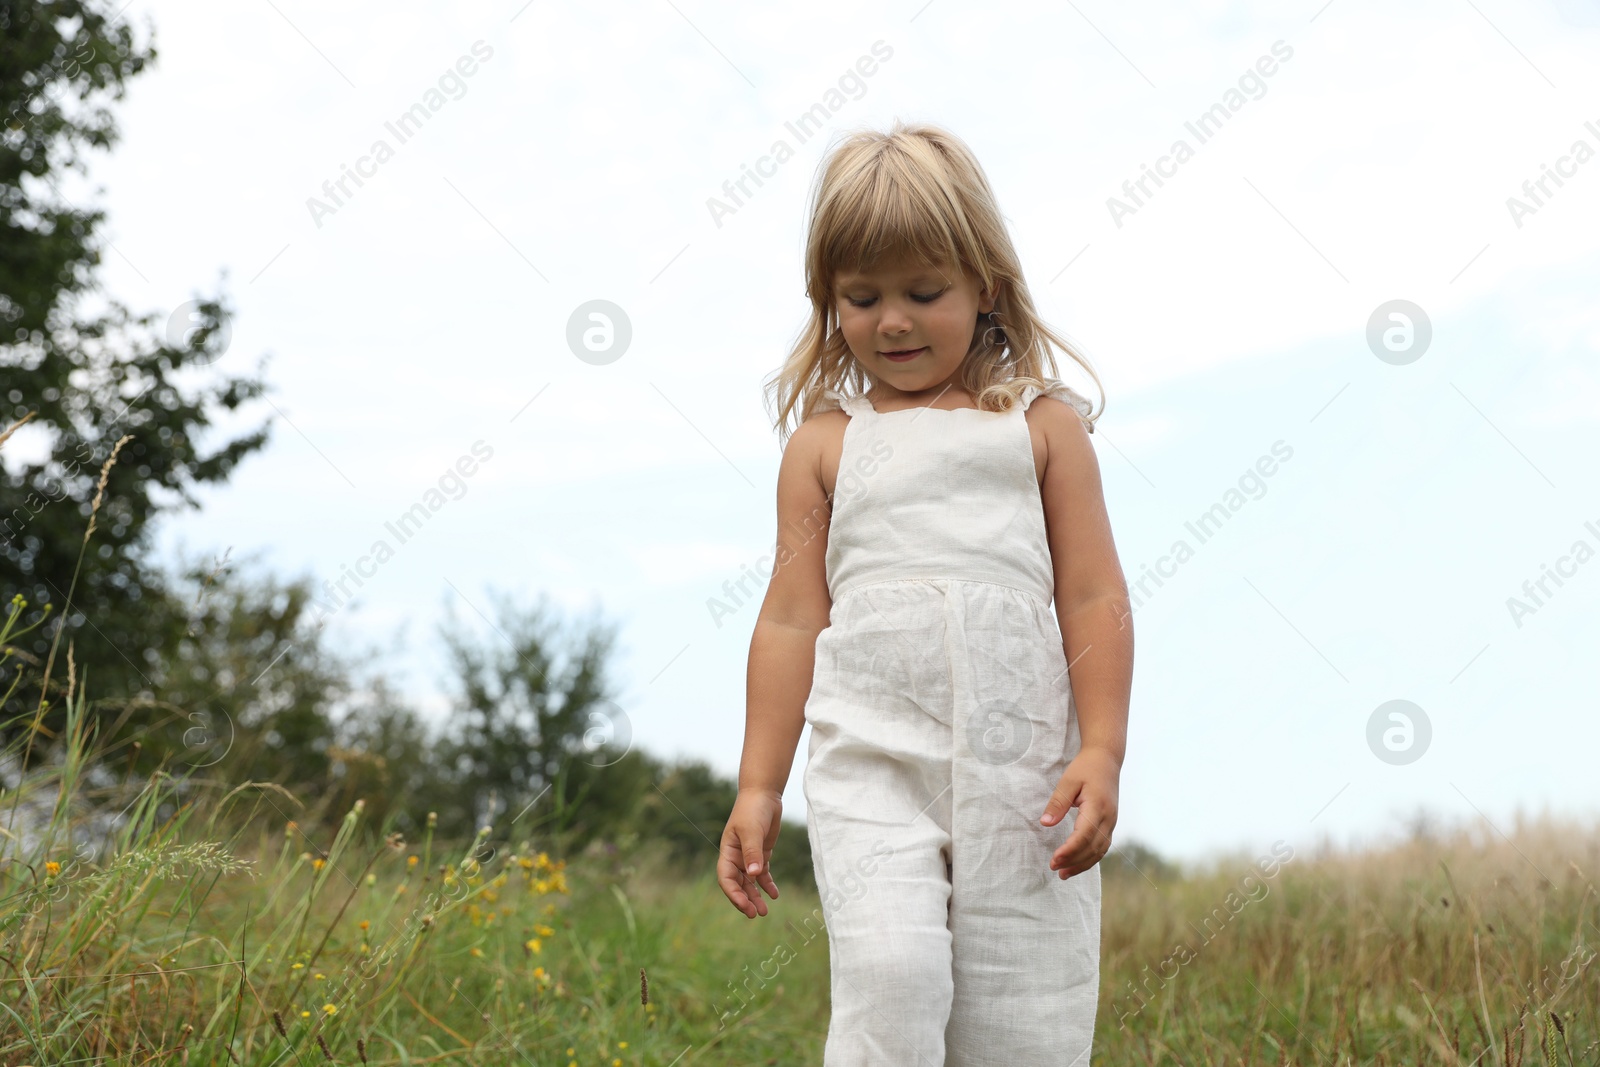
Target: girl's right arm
782 659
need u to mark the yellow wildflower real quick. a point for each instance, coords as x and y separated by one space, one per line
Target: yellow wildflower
51 868
329 1009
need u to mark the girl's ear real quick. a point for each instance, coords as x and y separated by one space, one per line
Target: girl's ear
986 299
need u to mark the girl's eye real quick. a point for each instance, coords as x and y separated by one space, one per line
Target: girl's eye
918 297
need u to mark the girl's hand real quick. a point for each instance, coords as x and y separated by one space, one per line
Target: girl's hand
746 853
1089 784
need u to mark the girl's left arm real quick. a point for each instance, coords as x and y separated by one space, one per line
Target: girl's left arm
1092 606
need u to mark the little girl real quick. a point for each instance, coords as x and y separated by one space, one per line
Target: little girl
929 512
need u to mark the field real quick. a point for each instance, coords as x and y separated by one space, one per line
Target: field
207 927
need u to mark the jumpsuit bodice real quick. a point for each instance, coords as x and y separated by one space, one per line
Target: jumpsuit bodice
939 493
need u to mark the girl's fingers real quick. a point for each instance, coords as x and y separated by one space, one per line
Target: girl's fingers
736 884
735 893
1081 843
755 898
739 896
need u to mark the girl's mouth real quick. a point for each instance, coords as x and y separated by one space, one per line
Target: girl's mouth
901 357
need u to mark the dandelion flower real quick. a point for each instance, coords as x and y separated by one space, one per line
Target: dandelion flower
364 924
318 863
52 868
297 967
329 1009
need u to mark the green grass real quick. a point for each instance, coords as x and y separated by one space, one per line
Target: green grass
206 925
211 918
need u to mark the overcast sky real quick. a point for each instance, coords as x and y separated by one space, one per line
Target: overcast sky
570 156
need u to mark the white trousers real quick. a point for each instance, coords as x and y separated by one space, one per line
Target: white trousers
933 753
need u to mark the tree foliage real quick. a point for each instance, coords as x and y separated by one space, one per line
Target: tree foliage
89 379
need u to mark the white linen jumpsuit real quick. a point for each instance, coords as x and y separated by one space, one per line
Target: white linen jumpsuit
942 717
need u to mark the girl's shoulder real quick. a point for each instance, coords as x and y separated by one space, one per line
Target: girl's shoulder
823 426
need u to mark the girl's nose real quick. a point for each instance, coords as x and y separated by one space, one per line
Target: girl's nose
893 321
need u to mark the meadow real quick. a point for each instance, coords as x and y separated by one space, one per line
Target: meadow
189 918
196 921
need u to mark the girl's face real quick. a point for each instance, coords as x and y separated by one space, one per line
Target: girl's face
910 306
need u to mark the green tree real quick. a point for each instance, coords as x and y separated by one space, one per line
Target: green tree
528 703
88 380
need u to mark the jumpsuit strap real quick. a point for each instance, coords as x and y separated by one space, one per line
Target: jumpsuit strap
850 405
1064 393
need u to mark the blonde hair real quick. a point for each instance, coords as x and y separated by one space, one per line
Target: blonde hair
915 193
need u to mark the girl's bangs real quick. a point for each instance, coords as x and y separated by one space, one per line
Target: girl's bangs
890 221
